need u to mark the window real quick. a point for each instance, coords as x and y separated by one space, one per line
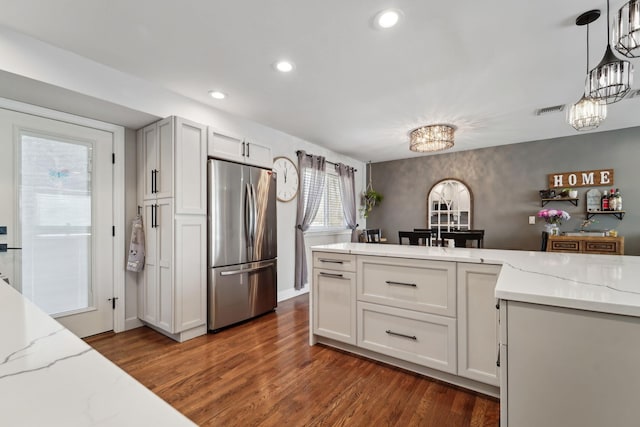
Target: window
330 215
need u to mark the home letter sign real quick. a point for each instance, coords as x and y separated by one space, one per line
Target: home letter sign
581 178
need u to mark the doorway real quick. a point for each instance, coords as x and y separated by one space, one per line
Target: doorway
56 188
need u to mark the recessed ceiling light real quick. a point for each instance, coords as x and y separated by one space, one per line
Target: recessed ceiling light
283 66
387 18
216 94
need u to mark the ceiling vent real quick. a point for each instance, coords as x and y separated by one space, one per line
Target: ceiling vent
550 110
633 94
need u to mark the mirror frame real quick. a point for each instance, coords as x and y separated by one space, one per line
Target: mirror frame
430 207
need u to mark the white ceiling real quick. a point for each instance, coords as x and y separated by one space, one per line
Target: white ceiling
484 67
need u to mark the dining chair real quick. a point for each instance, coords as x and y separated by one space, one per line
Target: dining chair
415 237
433 231
461 238
545 239
372 235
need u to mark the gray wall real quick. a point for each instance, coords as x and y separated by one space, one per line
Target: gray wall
505 181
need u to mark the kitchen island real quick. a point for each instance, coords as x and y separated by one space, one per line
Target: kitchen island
50 377
569 329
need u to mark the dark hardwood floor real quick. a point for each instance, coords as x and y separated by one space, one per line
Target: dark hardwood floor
264 373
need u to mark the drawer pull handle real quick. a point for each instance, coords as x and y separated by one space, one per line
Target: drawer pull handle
411 337
498 361
337 276
390 282
333 261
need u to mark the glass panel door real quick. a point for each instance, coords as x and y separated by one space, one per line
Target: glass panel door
56 226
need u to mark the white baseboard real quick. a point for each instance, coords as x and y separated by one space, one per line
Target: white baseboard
290 293
132 323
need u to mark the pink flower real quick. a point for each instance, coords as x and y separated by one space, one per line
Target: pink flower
554 216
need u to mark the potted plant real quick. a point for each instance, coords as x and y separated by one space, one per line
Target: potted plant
370 198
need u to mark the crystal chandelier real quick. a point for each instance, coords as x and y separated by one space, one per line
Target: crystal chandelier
611 79
587 113
626 32
431 138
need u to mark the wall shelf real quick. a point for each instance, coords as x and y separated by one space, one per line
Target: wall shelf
573 201
617 214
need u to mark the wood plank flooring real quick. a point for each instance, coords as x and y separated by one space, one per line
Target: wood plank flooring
264 373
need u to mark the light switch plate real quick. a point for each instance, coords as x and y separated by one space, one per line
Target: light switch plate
532 219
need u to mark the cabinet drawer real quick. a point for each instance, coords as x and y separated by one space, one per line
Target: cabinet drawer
420 338
423 285
564 246
605 247
334 261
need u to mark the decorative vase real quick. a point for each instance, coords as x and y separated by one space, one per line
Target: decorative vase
552 229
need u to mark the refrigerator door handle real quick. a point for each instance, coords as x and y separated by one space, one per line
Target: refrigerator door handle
246 270
248 226
254 214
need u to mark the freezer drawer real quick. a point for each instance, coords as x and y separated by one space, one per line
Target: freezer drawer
240 292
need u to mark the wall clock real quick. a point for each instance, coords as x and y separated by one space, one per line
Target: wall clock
287 179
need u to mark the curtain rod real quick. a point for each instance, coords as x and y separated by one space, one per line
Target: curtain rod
327 161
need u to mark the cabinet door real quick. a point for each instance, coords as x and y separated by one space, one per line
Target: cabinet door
258 155
334 305
164 248
478 322
164 169
226 147
148 141
191 270
190 168
148 295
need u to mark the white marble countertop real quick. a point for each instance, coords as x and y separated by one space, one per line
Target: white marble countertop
49 377
603 283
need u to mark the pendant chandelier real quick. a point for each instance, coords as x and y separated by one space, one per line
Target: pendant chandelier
587 113
611 79
626 31
431 138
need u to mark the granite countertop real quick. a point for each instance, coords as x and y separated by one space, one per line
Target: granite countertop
603 283
50 377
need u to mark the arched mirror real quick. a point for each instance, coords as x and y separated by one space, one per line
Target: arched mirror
449 206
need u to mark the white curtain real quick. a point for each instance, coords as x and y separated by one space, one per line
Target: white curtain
346 179
308 203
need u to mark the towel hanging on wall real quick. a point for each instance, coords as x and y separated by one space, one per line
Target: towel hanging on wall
135 262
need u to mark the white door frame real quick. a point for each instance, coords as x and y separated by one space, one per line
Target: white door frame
118 192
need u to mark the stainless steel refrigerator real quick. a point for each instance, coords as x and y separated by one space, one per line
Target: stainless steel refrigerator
242 281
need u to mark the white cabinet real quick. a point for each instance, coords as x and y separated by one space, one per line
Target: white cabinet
190 294
397 300
422 285
478 322
172 157
156 279
421 338
238 149
434 317
334 297
155 150
172 190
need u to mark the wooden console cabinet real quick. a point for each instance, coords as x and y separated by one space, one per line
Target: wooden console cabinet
586 245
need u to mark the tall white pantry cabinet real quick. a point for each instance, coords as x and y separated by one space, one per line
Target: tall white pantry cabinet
172 171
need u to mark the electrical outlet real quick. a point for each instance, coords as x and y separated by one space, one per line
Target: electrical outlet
532 219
